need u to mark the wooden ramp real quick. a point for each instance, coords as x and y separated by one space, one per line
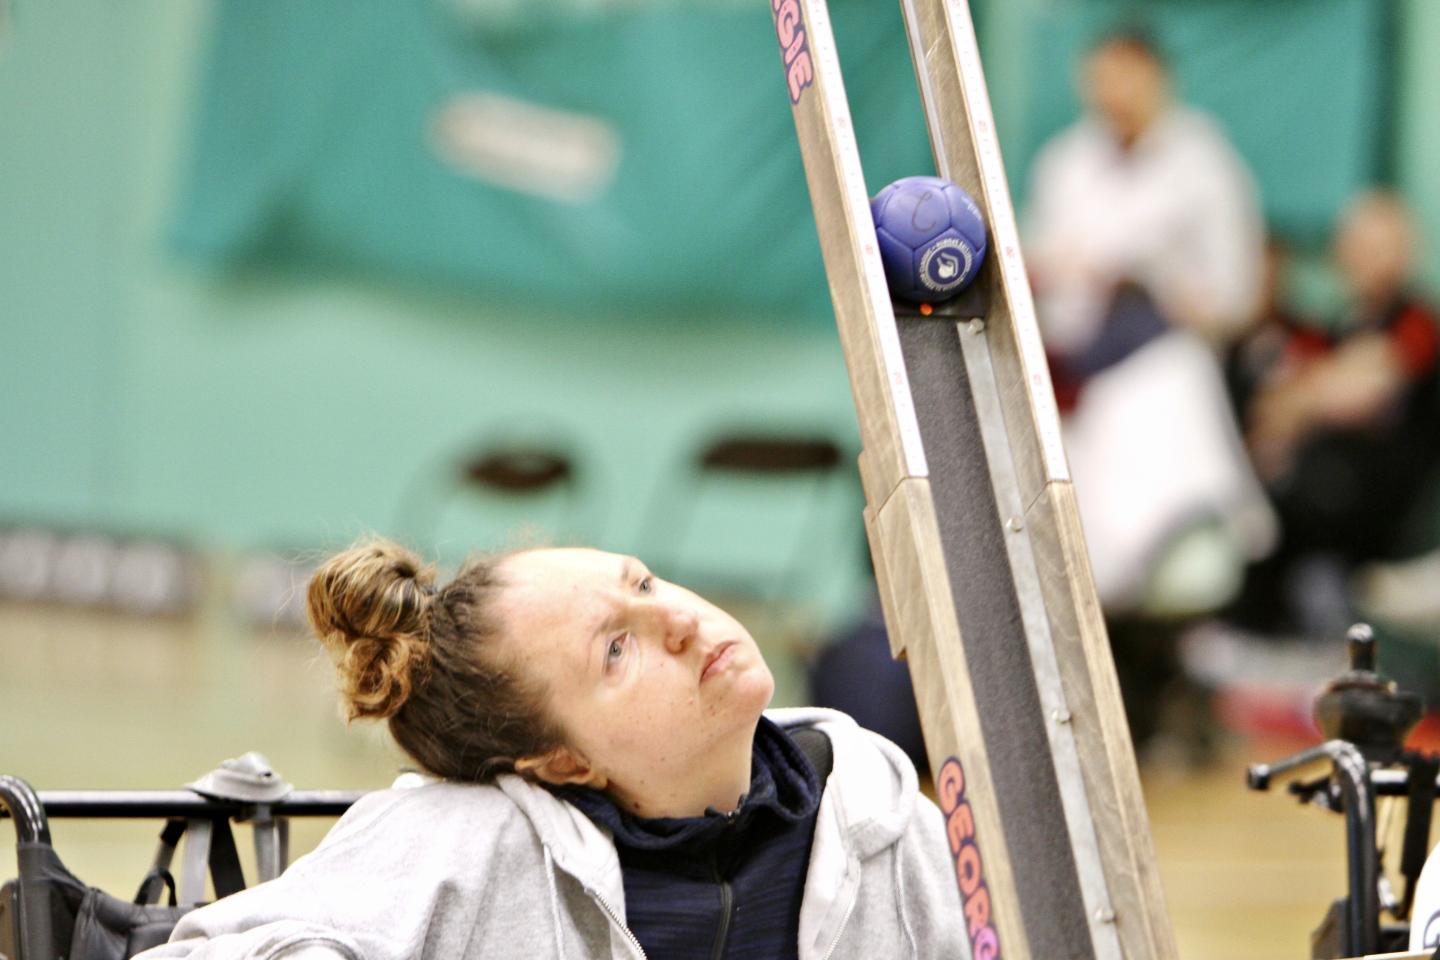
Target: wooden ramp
973 526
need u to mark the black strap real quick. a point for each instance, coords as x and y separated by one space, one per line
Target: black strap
817 749
1420 807
159 878
224 860
210 846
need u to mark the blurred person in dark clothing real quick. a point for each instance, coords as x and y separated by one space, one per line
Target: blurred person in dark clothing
1345 426
1251 360
854 672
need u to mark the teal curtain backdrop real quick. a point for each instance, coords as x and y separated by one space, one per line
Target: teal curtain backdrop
301 407
325 153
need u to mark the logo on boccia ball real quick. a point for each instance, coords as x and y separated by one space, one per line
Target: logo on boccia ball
946 264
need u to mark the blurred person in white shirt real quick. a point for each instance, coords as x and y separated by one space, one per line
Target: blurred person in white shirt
1146 250
1141 191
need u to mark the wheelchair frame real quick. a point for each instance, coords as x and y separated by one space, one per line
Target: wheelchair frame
205 820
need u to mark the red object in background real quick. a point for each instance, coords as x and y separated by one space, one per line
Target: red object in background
1425 738
1307 343
1067 388
1415 334
1284 714
1268 712
1417 340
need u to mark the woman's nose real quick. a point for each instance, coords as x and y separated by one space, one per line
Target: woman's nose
678 626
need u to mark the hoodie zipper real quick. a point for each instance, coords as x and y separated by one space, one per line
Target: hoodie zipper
615 919
727 903
840 930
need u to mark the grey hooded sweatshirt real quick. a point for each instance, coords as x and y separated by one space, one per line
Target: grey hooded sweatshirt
452 871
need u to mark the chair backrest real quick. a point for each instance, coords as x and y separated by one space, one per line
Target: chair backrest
764 455
802 462
519 469
484 494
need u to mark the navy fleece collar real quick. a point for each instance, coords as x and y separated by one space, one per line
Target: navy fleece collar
782 782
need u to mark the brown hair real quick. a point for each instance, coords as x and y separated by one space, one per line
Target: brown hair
425 659
1133 38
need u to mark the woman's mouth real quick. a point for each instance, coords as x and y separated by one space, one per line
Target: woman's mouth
718 660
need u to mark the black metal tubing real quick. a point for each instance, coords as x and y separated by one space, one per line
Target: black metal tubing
19 800
146 804
1362 860
1357 792
1387 783
32 901
1393 783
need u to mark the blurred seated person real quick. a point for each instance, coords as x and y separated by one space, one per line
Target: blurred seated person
1251 359
1144 238
1344 427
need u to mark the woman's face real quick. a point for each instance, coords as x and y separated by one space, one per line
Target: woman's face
648 681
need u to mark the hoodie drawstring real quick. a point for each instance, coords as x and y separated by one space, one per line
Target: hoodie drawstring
900 897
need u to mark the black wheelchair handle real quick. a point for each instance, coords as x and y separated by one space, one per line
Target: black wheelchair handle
21 802
150 804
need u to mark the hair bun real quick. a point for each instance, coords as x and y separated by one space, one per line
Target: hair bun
370 606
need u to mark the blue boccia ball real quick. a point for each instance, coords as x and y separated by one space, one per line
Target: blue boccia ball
931 236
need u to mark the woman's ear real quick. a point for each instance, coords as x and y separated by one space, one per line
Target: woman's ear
561 766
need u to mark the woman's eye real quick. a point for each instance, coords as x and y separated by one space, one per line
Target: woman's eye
647 585
615 650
